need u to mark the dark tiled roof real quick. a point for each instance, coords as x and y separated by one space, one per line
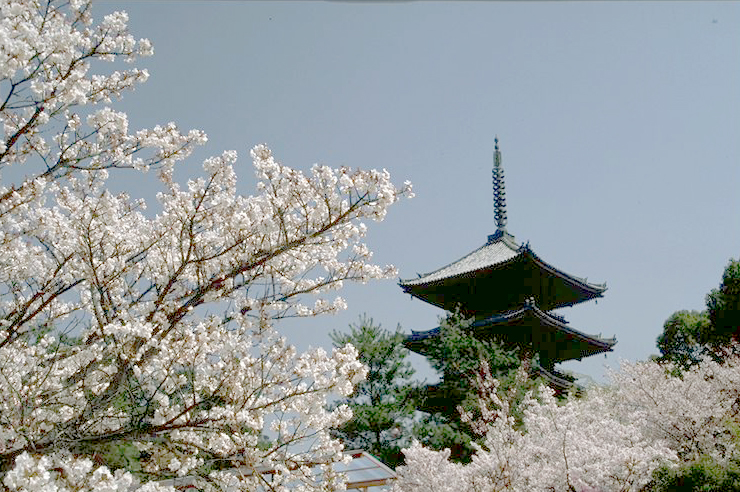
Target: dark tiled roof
490 254
498 275
530 325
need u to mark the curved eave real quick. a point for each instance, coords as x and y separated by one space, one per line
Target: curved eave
591 289
546 320
594 290
528 324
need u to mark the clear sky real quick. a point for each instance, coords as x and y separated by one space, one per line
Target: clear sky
619 124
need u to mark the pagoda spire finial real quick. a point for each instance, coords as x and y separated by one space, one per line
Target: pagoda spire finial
499 190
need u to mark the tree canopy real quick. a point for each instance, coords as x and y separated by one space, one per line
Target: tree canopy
687 335
680 339
723 307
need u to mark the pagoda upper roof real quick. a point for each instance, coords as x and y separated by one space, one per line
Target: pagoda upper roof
548 334
496 277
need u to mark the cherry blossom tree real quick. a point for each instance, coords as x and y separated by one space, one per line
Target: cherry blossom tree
693 413
611 439
153 329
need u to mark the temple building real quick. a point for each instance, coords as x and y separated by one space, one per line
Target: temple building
509 292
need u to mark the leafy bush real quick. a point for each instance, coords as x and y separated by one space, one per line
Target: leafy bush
704 475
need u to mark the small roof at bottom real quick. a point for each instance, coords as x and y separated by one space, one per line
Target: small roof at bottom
365 471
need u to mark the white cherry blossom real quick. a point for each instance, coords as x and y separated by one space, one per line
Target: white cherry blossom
610 439
152 326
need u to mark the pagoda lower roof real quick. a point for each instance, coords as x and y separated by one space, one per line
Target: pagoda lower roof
498 275
548 335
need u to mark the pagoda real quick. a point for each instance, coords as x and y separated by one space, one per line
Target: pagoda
509 292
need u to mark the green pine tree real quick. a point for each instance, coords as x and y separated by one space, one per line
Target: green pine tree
383 404
457 357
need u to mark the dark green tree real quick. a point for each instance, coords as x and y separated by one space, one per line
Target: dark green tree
390 409
457 357
383 404
689 335
723 305
704 475
680 341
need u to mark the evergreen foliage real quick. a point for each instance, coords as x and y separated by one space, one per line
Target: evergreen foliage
383 404
458 358
389 409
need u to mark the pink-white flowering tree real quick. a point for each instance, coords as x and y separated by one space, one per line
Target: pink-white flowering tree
611 439
152 329
693 412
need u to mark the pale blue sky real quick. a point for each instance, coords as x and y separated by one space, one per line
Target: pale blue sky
619 124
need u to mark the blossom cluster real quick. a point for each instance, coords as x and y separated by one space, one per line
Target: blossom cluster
153 329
